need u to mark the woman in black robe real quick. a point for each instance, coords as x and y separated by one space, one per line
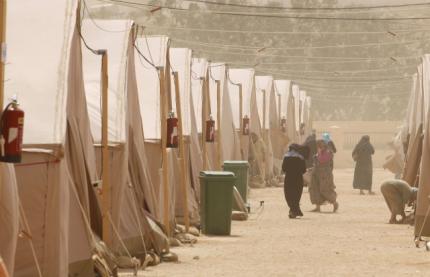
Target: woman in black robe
363 173
294 166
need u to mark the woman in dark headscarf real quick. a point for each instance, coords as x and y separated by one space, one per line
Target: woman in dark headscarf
362 155
294 167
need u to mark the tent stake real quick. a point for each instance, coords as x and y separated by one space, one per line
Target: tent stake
105 150
183 171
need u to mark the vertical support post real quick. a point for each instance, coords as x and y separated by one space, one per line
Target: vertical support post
3 10
279 108
106 189
240 107
218 114
183 164
264 114
165 162
204 119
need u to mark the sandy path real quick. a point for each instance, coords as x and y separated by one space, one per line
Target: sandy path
354 242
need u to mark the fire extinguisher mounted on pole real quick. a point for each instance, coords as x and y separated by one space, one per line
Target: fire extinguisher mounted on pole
11 129
172 131
284 124
245 126
210 130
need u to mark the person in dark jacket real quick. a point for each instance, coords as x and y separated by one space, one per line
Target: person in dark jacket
363 173
311 143
294 167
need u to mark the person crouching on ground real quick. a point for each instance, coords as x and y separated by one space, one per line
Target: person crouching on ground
322 188
397 195
294 167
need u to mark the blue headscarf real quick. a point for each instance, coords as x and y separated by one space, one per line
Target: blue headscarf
326 137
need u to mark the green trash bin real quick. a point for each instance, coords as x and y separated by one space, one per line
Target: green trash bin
240 170
216 197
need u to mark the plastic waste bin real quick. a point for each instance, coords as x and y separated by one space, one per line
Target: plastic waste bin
240 170
216 197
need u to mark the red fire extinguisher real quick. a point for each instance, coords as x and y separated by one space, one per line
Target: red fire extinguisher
245 126
172 131
12 128
210 130
284 125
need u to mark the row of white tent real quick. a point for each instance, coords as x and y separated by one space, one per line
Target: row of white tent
51 198
414 140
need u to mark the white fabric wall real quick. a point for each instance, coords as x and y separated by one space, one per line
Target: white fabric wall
245 77
115 42
263 83
198 71
296 95
38 51
283 88
180 61
155 50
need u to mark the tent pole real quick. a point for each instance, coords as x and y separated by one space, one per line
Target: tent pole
264 114
240 108
106 189
279 107
3 10
204 118
218 115
165 176
183 171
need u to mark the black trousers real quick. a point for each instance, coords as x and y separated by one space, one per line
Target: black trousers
293 193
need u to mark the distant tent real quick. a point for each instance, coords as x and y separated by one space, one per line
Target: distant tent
296 97
180 62
230 142
282 88
265 103
245 78
291 116
200 87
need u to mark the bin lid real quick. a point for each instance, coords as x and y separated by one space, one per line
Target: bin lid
236 163
217 173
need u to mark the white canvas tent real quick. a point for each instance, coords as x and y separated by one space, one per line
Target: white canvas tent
54 181
150 70
129 223
244 78
422 224
230 143
180 62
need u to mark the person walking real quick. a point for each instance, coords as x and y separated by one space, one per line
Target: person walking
294 167
322 188
363 173
327 139
311 142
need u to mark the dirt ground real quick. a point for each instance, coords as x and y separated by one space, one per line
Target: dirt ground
356 241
